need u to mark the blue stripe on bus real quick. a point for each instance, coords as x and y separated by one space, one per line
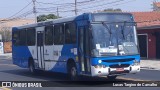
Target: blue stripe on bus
94 61
21 55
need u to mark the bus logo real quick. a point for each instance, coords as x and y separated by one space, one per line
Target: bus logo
119 64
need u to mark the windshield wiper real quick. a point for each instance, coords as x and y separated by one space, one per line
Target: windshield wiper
109 30
122 29
107 27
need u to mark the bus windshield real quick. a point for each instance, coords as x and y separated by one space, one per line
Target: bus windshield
112 39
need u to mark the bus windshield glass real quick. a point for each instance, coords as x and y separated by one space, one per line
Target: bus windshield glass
111 17
113 39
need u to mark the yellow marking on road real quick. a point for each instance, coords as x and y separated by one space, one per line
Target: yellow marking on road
4 88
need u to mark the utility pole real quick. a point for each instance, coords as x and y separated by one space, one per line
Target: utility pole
57 12
34 10
76 7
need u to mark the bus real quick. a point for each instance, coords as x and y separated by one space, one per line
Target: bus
90 44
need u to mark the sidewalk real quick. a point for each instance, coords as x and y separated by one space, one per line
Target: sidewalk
150 64
6 56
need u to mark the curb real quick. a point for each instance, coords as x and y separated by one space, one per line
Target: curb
149 68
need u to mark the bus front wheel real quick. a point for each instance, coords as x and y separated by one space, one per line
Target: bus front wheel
111 77
73 73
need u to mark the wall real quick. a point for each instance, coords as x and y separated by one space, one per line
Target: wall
151 41
7 47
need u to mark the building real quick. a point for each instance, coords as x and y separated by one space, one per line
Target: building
10 24
148 28
5 30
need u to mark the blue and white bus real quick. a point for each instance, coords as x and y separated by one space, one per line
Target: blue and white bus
92 44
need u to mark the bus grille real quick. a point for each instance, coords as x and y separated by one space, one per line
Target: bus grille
114 72
119 66
118 60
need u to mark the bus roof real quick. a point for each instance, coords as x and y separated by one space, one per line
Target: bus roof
67 19
47 22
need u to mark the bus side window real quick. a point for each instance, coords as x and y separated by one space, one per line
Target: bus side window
70 33
16 38
59 34
22 37
31 37
49 35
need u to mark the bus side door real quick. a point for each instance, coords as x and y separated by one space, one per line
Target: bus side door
83 49
40 46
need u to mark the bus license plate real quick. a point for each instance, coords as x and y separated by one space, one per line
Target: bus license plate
119 69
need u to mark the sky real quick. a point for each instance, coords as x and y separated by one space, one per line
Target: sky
12 8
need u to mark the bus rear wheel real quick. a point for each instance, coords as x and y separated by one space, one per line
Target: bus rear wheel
32 67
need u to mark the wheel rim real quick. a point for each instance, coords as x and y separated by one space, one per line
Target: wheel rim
31 67
73 72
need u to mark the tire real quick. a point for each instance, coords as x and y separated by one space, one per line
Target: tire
73 72
111 77
32 67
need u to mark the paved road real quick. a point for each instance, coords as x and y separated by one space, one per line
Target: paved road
10 72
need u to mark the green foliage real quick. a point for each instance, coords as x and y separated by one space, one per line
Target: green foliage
112 10
46 17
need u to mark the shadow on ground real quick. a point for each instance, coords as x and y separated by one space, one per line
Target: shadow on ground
59 79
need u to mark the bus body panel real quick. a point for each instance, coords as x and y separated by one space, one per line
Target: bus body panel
22 60
110 64
55 57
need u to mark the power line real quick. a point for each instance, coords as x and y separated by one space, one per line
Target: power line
20 10
34 10
21 16
75 7
67 5
18 17
103 4
114 4
55 4
57 12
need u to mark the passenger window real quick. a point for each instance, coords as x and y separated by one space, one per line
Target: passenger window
49 35
59 34
16 38
70 33
22 37
31 37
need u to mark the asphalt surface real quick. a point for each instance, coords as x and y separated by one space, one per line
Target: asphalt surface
10 72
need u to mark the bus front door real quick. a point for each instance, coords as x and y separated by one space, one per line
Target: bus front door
83 50
40 47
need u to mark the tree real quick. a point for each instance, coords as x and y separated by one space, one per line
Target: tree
6 33
112 10
46 17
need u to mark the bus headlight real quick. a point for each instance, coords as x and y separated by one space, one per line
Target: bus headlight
99 61
136 62
100 66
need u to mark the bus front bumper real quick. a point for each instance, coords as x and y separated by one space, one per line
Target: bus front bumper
107 71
